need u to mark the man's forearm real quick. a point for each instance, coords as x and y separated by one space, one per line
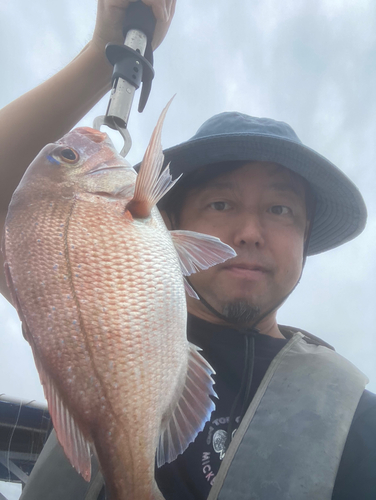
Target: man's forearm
47 112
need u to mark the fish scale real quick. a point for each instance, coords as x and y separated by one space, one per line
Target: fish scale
155 344
113 310
97 280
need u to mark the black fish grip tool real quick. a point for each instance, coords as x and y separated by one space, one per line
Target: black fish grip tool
133 65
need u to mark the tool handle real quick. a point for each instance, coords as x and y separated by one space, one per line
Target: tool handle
140 17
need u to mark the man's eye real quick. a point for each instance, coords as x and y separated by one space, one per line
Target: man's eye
220 205
280 210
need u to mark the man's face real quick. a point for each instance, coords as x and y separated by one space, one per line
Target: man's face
260 211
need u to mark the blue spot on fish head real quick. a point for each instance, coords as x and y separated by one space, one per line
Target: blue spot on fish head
53 160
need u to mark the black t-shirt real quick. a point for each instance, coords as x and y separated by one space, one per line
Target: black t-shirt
191 475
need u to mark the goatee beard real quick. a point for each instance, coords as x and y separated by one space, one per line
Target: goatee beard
240 312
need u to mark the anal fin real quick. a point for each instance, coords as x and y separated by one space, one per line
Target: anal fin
75 446
192 410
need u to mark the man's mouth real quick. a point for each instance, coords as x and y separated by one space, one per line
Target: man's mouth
245 270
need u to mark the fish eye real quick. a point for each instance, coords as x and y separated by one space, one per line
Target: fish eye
69 155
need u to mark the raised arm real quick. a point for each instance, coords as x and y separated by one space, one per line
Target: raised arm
49 111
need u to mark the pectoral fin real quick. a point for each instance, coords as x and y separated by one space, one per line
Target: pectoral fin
192 410
189 290
199 251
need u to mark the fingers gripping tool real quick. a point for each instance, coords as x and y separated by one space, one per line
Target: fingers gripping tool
133 66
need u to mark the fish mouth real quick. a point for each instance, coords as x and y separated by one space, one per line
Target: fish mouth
105 168
93 134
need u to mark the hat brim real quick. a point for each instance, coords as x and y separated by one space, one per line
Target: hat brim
340 214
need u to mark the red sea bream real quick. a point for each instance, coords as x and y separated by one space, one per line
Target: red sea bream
97 280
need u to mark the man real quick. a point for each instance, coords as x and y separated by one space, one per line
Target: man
275 202
292 418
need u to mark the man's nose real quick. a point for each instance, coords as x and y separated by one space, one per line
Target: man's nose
248 230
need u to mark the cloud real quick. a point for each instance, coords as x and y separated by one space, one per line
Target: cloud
309 63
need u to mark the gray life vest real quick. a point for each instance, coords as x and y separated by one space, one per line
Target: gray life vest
288 445
290 442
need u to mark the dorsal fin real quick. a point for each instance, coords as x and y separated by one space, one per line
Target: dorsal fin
151 184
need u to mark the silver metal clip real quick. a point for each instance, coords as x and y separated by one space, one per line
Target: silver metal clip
122 94
109 122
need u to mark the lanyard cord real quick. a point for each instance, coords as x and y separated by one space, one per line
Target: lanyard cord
249 337
245 386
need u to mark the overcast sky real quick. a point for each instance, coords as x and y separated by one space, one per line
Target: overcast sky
311 63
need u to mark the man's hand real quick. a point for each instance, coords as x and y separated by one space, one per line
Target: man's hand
110 16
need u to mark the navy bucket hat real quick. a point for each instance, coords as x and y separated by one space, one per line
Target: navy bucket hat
340 210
